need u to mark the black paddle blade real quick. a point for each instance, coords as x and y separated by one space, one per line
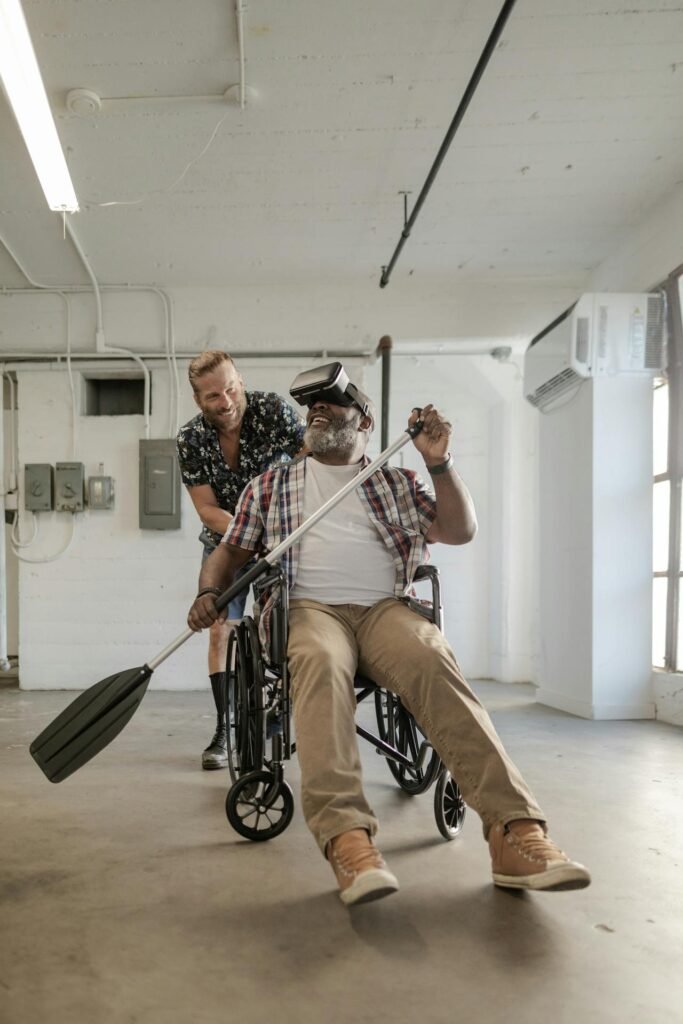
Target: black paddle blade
89 723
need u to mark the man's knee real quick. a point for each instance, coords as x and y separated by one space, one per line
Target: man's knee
219 633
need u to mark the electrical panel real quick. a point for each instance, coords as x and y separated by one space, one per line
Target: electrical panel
159 485
38 487
69 486
100 492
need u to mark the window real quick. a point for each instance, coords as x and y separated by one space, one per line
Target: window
667 564
104 394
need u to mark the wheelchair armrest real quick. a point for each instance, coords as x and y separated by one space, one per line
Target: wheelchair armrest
426 572
433 612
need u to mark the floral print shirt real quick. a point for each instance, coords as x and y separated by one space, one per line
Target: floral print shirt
271 433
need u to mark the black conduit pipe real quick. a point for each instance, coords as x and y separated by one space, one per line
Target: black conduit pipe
496 33
384 348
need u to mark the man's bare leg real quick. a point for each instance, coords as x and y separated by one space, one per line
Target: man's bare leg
216 754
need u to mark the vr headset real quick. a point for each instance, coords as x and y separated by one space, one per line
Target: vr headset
328 383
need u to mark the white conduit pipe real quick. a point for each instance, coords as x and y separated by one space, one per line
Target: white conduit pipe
46 558
239 11
4 659
100 343
59 290
99 330
12 435
169 353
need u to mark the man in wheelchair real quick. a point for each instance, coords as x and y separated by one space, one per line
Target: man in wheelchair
347 576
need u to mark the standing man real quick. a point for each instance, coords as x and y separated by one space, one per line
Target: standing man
237 435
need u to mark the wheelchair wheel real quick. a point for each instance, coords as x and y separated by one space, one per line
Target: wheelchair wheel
246 727
397 727
449 806
259 807
232 711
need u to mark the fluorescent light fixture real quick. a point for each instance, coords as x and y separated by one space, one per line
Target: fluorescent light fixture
26 93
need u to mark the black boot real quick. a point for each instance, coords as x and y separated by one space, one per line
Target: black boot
216 754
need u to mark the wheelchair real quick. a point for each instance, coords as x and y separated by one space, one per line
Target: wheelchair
260 804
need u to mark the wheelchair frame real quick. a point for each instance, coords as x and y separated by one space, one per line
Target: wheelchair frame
260 804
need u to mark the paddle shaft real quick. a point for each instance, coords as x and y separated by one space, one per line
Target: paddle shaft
273 556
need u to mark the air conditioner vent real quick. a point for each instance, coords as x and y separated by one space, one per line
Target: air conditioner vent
582 338
654 333
558 385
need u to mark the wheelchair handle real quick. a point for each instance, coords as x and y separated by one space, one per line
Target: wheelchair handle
417 425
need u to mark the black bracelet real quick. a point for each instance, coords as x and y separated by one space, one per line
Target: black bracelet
442 467
209 590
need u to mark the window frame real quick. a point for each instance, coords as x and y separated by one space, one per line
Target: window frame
674 470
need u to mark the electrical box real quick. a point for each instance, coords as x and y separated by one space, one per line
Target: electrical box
159 485
38 487
69 486
100 492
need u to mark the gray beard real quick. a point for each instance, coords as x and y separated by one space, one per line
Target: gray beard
336 439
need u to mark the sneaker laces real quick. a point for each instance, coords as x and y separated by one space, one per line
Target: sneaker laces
536 845
355 856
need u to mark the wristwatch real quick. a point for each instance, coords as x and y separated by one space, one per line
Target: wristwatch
441 467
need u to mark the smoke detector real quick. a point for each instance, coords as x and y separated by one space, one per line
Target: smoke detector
83 102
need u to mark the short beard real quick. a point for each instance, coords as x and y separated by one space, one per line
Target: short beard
338 438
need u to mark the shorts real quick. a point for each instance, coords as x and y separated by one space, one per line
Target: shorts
236 606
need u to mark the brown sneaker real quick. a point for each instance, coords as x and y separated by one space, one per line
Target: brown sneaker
524 858
361 872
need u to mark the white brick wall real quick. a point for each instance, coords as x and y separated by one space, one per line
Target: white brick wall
119 594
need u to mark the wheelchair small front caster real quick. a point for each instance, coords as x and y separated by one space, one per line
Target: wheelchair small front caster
449 806
259 806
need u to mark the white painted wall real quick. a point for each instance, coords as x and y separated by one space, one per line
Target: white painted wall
490 587
119 594
11 566
596 550
260 319
645 256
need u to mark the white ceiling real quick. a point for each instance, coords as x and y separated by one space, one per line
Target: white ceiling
575 130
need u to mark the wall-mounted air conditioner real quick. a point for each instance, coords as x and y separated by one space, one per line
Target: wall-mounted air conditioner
601 334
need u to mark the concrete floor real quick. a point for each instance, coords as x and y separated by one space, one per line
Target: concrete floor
127 898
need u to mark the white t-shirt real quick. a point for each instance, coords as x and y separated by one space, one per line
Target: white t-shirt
342 559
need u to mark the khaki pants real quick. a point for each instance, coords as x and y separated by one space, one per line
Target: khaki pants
404 653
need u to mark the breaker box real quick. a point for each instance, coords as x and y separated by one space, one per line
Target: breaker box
159 485
38 487
69 487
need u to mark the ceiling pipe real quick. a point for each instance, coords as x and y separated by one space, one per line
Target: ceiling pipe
239 12
63 290
4 656
484 58
499 348
384 349
18 361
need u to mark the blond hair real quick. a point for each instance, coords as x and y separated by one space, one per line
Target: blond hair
206 362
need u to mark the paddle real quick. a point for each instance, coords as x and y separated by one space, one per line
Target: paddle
99 714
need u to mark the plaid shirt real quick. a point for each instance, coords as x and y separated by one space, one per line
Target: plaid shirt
397 502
